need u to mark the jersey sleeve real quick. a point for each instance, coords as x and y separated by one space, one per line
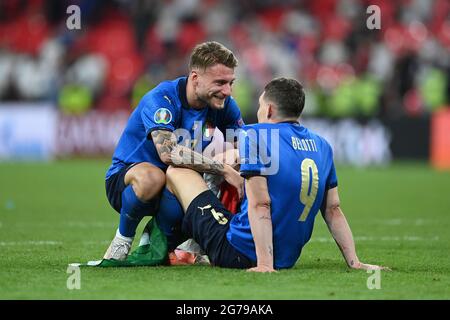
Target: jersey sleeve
332 181
232 118
158 113
253 152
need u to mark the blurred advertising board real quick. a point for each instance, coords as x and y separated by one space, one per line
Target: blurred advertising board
410 137
27 132
91 134
355 142
41 132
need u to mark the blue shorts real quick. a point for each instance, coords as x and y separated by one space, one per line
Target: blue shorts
115 185
207 222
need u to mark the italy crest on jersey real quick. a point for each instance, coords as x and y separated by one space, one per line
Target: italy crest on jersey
162 116
208 130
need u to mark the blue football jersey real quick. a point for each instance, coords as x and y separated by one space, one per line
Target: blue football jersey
299 168
166 107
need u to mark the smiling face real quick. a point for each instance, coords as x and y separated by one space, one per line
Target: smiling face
213 85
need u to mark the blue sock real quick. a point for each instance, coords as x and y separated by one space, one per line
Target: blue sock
169 218
132 212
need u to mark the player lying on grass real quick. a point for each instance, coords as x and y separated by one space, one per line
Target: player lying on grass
289 177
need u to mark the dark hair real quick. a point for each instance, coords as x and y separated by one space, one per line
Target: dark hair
287 95
210 53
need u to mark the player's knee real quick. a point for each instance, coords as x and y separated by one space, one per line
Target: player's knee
171 175
148 183
228 157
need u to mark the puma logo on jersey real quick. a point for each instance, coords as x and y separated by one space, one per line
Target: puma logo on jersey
167 98
203 208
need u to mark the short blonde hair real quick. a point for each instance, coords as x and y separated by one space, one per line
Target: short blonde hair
210 53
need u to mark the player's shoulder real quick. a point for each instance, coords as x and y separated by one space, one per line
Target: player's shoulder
248 129
318 138
282 127
257 126
230 101
166 91
230 106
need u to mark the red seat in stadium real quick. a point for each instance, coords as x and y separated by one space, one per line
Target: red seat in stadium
189 35
123 72
272 18
25 34
153 47
112 38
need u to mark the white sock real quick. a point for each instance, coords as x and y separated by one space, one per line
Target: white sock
127 239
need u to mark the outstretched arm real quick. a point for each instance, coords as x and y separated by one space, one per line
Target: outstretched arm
260 222
340 230
176 155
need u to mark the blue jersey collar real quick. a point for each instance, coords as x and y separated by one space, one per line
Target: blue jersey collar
182 84
290 121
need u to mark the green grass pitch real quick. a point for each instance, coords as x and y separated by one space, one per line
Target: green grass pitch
57 213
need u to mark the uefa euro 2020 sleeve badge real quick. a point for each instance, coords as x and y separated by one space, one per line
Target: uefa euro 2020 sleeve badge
162 116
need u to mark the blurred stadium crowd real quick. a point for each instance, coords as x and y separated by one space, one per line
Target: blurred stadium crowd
126 47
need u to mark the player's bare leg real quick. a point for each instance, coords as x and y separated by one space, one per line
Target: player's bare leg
189 252
186 184
192 184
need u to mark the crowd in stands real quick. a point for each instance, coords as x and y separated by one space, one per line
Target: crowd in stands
126 47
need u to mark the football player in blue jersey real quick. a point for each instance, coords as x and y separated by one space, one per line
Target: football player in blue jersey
289 176
150 141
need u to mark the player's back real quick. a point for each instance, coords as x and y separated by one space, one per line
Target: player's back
298 165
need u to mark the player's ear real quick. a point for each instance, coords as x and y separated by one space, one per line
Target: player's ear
270 111
193 75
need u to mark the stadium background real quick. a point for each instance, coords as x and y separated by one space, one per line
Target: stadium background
379 96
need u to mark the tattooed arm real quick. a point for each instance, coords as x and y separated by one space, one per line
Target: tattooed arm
164 141
260 222
180 156
340 230
176 155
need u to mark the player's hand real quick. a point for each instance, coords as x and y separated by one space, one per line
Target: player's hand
261 269
365 266
234 178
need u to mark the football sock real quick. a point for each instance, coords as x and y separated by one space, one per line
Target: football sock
133 210
127 239
169 218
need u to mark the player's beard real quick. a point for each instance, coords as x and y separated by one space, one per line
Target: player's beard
212 100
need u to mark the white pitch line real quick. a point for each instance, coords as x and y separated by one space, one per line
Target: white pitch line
314 239
383 238
48 243
399 221
78 224
97 242
30 243
393 222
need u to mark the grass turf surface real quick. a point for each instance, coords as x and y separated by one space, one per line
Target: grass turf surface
57 213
